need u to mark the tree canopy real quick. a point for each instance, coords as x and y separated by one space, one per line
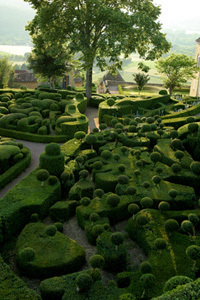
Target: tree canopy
49 59
101 29
176 69
6 72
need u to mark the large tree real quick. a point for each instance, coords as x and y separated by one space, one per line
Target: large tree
49 60
176 70
101 29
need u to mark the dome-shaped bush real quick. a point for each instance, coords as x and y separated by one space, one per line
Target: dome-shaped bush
173 193
123 179
195 167
160 243
130 190
146 202
106 154
187 226
176 144
52 149
145 267
94 217
52 180
59 226
117 238
121 168
141 220
51 230
98 193
113 200
164 206
193 127
97 261
133 208
97 165
85 201
176 168
84 282
171 225
27 254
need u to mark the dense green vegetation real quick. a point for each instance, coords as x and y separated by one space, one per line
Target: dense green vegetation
143 171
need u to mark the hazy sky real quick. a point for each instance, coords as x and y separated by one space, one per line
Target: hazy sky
174 12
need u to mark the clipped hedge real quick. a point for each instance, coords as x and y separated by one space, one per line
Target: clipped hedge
13 288
183 292
55 254
20 202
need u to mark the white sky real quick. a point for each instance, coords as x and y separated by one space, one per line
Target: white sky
175 11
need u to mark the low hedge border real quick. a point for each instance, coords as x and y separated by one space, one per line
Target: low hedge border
33 137
15 170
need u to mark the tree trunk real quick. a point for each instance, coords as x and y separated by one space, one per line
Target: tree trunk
53 81
88 84
170 90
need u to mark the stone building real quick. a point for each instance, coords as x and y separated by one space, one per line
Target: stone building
195 84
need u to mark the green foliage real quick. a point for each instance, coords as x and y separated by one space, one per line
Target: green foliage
176 70
141 79
6 72
84 282
12 287
173 282
145 267
55 253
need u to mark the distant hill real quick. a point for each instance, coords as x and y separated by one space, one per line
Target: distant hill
12 23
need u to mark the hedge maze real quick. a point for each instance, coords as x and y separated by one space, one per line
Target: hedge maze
143 171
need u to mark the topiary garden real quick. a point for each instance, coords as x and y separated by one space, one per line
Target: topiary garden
142 173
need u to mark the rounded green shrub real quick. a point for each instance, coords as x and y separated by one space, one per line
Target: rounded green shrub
123 179
133 208
141 220
176 144
94 217
85 201
117 238
146 202
106 154
131 190
121 168
171 225
193 127
27 254
52 180
98 193
59 226
98 229
113 200
164 206
97 261
52 149
145 267
34 218
51 230
42 175
84 174
173 193
187 226
160 243
146 184
97 165
176 168
84 282
195 167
